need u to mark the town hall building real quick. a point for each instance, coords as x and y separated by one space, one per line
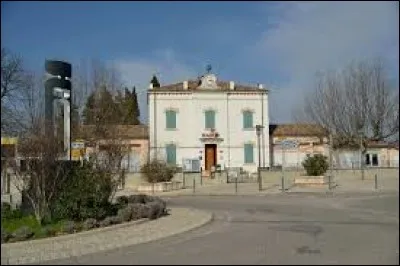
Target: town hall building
209 120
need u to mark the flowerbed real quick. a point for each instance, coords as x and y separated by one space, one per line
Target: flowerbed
19 227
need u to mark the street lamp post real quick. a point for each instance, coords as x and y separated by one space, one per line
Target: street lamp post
258 132
361 154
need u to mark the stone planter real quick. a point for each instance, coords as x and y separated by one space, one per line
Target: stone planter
311 180
160 187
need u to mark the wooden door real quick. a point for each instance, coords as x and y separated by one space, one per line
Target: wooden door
210 152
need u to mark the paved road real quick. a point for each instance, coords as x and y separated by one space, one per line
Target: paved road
276 229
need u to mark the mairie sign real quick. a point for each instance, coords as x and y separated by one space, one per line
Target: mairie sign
288 144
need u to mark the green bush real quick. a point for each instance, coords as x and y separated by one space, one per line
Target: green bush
8 213
89 223
106 221
84 194
158 171
116 219
68 227
125 214
139 211
139 198
5 235
49 231
22 233
155 210
122 200
316 165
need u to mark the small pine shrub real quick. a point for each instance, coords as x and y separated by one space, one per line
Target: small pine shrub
316 165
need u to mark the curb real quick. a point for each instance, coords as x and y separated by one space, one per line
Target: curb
73 235
287 192
93 241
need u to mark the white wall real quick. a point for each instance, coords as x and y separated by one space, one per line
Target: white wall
190 124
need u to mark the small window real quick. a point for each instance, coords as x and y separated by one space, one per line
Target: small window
209 119
247 119
248 153
367 159
374 159
170 117
171 154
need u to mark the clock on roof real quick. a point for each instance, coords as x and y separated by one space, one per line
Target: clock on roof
209 81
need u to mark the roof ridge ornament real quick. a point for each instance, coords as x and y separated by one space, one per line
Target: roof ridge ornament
208 68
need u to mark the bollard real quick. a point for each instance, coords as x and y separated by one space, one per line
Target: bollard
283 184
376 181
183 180
201 179
329 182
194 185
236 185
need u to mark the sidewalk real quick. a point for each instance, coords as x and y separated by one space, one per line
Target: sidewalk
348 184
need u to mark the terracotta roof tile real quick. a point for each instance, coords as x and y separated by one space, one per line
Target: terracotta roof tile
121 131
381 144
193 85
296 130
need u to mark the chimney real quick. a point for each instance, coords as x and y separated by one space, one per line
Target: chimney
185 85
231 85
151 86
260 86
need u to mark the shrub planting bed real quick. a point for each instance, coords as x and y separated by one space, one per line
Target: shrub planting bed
15 226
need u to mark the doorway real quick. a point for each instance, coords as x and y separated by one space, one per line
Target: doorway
210 156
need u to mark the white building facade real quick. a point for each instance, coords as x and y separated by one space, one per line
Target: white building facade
209 120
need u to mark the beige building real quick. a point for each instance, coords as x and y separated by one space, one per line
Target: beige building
210 121
310 139
136 137
378 154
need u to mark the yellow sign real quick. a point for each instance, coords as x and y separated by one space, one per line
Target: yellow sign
8 141
76 154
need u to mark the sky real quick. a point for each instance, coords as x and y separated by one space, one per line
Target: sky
279 44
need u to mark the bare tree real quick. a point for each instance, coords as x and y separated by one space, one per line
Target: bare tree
103 134
11 73
358 101
12 79
43 173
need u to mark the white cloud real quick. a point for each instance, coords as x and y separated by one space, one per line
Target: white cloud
311 36
138 72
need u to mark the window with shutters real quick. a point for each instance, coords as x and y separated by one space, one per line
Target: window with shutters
171 154
247 120
248 153
170 117
209 119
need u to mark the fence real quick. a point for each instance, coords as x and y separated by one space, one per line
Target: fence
342 165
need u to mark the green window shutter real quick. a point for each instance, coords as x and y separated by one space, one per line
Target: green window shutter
210 119
248 153
247 119
171 154
170 119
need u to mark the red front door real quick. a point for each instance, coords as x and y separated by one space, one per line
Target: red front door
210 156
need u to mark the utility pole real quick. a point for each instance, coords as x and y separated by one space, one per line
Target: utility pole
258 132
330 159
361 155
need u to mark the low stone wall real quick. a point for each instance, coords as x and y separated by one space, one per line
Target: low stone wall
160 187
311 180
